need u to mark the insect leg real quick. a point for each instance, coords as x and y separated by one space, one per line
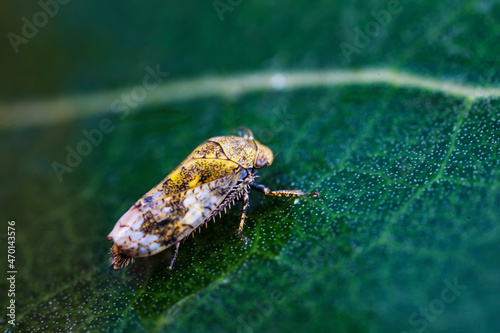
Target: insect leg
246 200
175 255
282 193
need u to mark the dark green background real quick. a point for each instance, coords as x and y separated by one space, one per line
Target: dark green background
409 177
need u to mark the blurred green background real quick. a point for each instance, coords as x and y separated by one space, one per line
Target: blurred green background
389 115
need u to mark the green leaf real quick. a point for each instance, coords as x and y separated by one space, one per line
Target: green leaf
405 151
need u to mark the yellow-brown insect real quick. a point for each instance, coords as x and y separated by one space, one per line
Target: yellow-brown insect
212 177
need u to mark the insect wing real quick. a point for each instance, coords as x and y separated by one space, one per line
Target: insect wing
186 198
204 202
202 185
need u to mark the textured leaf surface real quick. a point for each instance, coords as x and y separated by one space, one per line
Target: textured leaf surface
409 173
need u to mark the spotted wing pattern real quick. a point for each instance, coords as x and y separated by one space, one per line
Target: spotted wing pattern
173 209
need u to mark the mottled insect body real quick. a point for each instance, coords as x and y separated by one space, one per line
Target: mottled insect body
210 179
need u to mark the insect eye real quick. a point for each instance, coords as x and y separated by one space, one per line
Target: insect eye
261 160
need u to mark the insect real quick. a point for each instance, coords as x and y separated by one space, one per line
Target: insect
211 178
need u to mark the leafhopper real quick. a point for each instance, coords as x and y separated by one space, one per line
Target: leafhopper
216 174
